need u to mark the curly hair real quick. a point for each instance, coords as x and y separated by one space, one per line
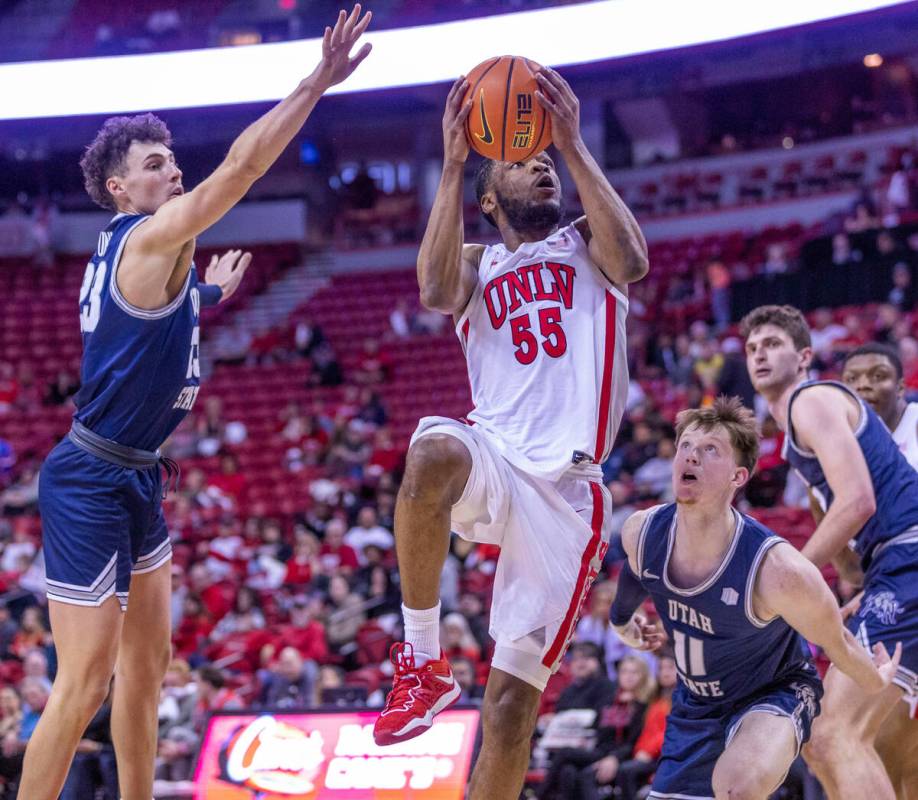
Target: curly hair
728 413
787 318
104 157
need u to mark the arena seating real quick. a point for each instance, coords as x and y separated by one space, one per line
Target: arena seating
39 328
698 185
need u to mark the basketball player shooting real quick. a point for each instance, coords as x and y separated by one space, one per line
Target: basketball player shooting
101 489
541 317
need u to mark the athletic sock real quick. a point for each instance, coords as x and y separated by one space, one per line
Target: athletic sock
422 632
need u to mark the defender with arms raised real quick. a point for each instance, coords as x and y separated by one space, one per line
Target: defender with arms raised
101 490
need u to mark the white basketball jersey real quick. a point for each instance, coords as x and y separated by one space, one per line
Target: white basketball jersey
906 434
544 340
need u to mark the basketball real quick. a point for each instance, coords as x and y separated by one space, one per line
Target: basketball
507 122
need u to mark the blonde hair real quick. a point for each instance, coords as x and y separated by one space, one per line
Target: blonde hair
730 414
647 688
466 638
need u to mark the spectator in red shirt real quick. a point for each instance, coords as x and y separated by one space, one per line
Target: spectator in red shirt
298 428
305 564
386 456
304 632
335 555
229 480
9 387
217 598
767 483
194 628
375 365
908 352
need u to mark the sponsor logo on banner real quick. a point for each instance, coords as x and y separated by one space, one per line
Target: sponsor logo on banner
287 756
267 755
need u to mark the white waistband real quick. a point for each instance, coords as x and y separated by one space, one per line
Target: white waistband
909 536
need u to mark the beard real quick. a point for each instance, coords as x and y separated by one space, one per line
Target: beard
523 216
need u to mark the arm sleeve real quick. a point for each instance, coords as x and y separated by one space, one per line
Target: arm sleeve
210 293
631 593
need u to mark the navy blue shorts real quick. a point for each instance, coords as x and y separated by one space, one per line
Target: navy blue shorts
889 608
694 740
101 523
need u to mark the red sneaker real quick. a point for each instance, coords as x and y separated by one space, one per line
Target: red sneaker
418 695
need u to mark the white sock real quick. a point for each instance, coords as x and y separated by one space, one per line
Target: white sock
422 632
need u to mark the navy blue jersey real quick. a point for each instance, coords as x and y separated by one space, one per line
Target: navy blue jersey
139 373
895 481
724 653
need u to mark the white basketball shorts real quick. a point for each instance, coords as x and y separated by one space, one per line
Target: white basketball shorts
552 535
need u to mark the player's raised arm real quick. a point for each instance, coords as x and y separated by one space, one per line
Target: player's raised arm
819 417
256 148
614 239
790 586
448 268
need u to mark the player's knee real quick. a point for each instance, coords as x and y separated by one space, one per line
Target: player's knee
822 748
146 668
509 719
85 694
436 463
740 785
830 746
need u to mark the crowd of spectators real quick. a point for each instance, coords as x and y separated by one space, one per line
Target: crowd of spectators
290 610
298 611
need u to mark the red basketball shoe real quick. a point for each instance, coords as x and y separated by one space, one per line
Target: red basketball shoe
418 695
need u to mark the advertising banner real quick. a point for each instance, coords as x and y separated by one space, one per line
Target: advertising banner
331 756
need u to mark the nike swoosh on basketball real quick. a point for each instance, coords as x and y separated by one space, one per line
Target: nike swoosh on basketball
485 136
649 574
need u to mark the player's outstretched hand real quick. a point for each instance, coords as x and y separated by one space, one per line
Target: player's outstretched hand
556 95
885 665
455 143
336 64
227 271
642 635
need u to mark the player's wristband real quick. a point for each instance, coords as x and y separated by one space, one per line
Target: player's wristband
628 598
210 293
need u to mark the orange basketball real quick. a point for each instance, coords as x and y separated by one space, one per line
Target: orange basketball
507 122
